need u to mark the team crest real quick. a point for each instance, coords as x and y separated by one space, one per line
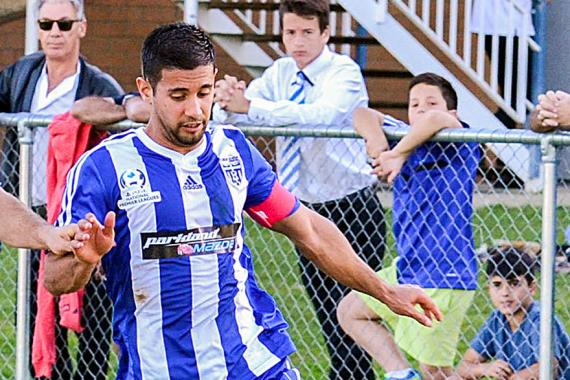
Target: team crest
233 170
135 189
132 179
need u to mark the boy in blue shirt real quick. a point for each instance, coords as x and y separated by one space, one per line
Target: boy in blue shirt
508 344
432 222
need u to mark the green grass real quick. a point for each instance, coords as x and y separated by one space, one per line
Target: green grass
278 273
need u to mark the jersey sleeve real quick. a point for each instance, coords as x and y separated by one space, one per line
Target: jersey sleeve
267 200
84 193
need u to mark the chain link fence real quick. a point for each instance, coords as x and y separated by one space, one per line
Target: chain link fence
504 215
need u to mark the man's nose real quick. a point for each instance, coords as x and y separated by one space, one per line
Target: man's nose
192 108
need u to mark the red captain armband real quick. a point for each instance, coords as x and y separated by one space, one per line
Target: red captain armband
278 205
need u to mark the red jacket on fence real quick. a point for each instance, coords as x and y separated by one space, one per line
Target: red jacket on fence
69 138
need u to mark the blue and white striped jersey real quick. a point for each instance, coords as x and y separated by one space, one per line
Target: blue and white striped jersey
186 302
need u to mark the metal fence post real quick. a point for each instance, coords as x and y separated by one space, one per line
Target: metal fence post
26 139
547 257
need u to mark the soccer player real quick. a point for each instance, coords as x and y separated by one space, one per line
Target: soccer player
186 302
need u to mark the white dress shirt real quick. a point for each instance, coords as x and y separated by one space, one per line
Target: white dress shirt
57 101
331 168
501 17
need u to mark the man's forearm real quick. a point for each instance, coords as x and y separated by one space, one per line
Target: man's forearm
66 274
98 111
21 228
334 255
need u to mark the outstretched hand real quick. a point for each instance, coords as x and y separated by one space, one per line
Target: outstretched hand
404 299
93 239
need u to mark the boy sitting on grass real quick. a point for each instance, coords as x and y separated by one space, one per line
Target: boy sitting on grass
507 346
432 222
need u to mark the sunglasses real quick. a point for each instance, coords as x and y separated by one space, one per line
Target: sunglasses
63 25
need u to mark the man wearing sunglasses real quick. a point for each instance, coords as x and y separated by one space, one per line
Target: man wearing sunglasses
47 83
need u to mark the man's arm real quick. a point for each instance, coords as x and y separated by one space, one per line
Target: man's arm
22 228
321 242
97 110
368 124
389 163
474 366
68 273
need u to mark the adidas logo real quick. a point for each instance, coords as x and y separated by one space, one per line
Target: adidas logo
190 184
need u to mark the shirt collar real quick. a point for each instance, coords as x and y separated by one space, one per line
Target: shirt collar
43 99
171 153
313 69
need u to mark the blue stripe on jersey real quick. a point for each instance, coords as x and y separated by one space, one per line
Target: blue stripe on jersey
221 205
175 275
116 265
260 184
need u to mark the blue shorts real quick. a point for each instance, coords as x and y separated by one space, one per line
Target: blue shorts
283 370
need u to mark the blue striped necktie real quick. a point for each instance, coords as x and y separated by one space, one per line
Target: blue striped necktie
291 152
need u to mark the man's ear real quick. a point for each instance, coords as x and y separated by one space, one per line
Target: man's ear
82 28
145 89
454 113
326 35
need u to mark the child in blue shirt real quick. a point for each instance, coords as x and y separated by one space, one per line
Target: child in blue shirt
432 222
508 344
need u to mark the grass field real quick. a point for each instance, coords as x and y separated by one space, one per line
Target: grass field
277 272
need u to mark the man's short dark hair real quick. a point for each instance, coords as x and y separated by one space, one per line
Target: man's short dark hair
175 46
447 91
318 8
510 262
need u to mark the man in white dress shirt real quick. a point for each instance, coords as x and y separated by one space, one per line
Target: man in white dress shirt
316 88
47 83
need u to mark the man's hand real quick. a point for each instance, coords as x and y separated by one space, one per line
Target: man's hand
60 240
402 300
563 108
553 109
95 239
388 165
229 93
497 369
547 109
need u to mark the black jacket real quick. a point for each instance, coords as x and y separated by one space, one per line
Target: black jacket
17 86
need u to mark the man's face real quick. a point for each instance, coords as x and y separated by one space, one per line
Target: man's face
512 297
58 44
303 39
181 105
424 97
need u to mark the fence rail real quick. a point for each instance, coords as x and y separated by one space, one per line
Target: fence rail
512 217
